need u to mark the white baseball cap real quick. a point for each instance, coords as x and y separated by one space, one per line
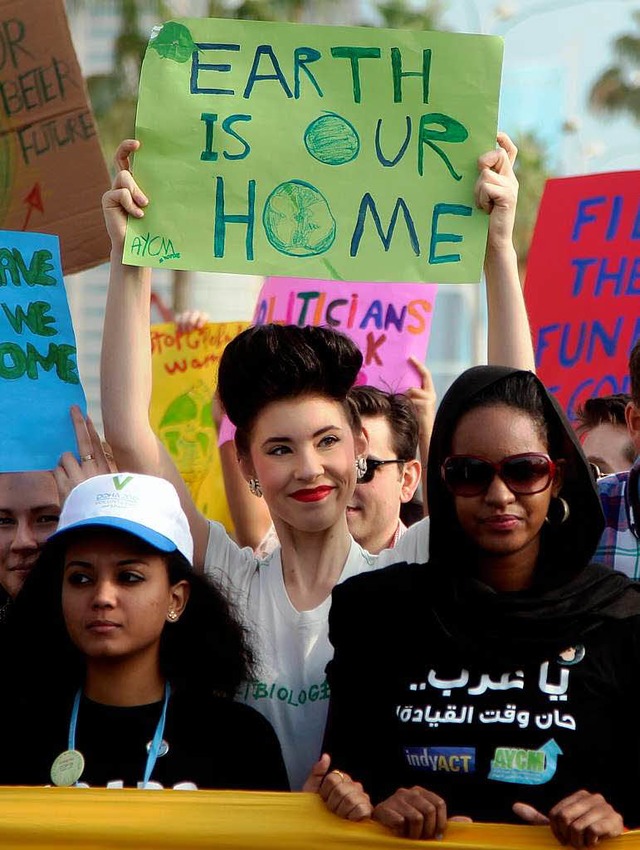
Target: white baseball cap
143 505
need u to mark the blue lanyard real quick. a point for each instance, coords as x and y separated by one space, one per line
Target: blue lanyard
155 743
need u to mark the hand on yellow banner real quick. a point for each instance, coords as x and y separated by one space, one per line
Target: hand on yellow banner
95 456
124 197
580 820
191 320
496 191
341 794
413 813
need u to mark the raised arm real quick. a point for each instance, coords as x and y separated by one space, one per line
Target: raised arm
126 354
424 400
509 335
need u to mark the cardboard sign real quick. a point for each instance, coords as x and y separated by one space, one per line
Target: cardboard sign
338 153
185 376
38 365
387 323
583 285
52 172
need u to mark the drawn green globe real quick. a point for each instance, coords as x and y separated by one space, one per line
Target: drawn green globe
173 42
298 221
332 140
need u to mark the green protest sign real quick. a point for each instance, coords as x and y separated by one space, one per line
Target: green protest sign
340 153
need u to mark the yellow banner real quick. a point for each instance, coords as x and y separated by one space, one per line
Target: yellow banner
47 818
185 376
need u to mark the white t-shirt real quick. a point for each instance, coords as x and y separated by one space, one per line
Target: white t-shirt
293 646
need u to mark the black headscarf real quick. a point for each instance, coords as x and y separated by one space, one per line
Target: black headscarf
569 596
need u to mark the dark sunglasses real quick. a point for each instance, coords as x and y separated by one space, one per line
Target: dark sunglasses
524 474
373 465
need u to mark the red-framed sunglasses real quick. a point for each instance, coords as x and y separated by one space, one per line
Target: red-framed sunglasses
524 474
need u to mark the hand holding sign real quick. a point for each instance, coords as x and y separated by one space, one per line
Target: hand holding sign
123 198
93 459
496 190
581 819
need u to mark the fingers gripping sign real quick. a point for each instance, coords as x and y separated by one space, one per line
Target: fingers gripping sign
496 190
579 820
341 794
93 459
413 813
122 156
124 198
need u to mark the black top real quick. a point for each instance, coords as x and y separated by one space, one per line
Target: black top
410 706
213 743
491 698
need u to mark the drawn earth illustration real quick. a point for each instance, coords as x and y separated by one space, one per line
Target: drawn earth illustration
298 221
187 430
332 140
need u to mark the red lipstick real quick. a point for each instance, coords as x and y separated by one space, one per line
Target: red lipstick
312 495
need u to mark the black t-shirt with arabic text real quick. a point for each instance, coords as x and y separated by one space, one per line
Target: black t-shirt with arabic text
407 708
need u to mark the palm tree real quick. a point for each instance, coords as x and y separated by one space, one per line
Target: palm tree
617 89
398 14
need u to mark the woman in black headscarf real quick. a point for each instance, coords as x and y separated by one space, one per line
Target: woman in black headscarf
501 680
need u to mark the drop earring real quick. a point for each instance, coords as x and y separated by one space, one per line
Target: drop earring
254 486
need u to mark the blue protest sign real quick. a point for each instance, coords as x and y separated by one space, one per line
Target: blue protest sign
39 378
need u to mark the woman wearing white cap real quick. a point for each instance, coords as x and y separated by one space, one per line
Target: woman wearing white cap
106 627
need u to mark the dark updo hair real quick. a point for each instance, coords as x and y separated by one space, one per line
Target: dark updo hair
207 650
269 363
522 391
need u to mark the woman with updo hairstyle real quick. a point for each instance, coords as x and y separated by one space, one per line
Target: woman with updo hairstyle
303 361
300 447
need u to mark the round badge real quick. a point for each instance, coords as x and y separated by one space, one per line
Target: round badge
571 655
163 749
67 768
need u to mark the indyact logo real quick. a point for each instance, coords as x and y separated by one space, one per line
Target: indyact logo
442 759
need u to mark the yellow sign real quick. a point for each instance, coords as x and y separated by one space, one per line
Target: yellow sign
48 818
185 376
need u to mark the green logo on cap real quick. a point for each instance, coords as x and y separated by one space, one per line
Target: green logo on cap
121 484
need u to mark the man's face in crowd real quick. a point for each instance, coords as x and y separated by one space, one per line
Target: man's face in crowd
609 447
373 511
29 512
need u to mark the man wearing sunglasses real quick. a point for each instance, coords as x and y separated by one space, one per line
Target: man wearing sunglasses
393 472
619 546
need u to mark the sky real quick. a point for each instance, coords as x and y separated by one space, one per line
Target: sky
554 51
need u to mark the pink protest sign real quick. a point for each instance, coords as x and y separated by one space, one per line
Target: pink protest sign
388 322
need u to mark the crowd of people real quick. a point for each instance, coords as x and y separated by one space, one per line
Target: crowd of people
476 662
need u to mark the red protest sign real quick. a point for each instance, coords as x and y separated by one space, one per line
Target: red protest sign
583 284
